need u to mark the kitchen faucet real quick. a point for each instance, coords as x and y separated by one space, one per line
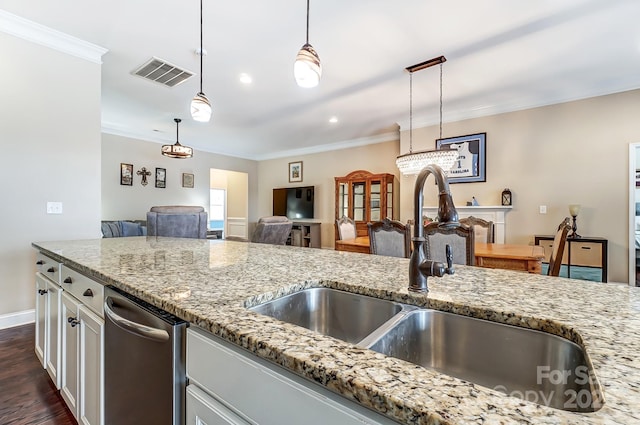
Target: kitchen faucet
419 267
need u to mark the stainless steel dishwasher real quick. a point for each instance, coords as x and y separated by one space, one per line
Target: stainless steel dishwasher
144 362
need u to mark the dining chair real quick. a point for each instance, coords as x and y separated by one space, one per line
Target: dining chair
390 238
483 229
557 249
346 228
461 239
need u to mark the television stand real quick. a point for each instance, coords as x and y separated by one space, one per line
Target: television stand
305 234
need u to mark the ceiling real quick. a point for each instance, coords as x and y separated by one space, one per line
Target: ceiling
502 55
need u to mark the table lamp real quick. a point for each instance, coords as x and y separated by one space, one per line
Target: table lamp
574 209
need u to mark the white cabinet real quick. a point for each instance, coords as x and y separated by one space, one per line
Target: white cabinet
69 382
81 340
48 326
253 390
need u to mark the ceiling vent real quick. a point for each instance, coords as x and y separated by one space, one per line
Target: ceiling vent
163 72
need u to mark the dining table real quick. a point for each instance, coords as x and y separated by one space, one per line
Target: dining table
525 258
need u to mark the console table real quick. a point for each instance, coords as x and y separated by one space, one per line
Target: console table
579 252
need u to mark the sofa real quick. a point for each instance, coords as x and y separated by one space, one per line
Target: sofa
123 228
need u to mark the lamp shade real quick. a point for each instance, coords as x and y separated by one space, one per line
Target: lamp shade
574 209
200 108
413 162
177 151
307 69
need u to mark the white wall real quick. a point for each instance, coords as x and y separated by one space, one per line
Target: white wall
319 170
50 136
557 155
132 202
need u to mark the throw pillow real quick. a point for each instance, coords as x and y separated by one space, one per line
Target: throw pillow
130 229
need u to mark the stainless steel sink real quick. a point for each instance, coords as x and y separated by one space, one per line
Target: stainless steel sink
343 315
524 363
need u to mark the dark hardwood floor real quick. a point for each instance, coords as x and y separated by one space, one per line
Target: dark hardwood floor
27 395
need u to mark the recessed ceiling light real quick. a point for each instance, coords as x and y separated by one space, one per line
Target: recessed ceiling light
245 78
333 120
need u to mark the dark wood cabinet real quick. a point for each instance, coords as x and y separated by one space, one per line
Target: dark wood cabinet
365 197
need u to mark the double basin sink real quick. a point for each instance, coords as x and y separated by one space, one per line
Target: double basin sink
524 363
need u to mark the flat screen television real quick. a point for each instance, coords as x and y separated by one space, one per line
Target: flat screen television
294 202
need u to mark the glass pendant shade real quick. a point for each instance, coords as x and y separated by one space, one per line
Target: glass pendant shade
200 108
177 150
307 69
413 162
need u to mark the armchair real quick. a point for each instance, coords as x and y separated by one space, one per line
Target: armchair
178 221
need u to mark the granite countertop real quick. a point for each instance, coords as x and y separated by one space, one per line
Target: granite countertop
211 283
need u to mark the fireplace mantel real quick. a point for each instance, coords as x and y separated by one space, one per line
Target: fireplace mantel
496 213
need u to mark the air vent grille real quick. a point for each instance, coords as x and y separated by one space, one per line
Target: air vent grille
162 72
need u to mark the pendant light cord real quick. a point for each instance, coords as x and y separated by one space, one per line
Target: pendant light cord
410 112
201 50
307 21
177 120
441 100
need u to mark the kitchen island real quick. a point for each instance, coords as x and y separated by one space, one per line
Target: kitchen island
211 283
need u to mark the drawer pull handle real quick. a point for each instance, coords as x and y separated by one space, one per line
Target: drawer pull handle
51 270
585 247
42 291
68 280
39 262
88 293
73 321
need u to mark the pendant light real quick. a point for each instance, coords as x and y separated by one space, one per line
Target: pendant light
307 68
200 105
413 162
177 150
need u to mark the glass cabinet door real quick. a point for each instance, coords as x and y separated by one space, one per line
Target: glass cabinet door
359 201
390 200
343 200
374 207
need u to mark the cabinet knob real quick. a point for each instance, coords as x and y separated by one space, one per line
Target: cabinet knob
73 321
42 291
88 293
51 270
68 280
39 262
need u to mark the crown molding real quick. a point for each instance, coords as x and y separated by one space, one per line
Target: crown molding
45 36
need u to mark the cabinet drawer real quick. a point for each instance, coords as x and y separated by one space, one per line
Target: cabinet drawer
48 267
586 254
87 291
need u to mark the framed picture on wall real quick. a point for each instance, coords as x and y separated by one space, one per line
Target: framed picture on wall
295 171
472 160
161 177
187 180
126 174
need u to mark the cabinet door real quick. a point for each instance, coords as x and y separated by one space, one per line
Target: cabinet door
203 409
41 315
52 324
90 398
69 354
358 190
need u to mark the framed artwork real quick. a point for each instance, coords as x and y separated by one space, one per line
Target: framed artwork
295 172
126 174
187 180
161 177
472 161
637 177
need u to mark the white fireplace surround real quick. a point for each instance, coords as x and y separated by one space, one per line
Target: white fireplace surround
497 214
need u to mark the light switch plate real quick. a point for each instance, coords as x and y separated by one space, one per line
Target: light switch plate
54 207
543 209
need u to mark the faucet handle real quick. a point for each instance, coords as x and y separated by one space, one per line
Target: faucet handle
449 255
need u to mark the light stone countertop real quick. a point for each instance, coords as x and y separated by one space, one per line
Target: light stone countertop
211 283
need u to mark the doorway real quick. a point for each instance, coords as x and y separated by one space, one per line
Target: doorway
229 202
634 214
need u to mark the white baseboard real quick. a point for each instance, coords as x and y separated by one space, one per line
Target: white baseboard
16 319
